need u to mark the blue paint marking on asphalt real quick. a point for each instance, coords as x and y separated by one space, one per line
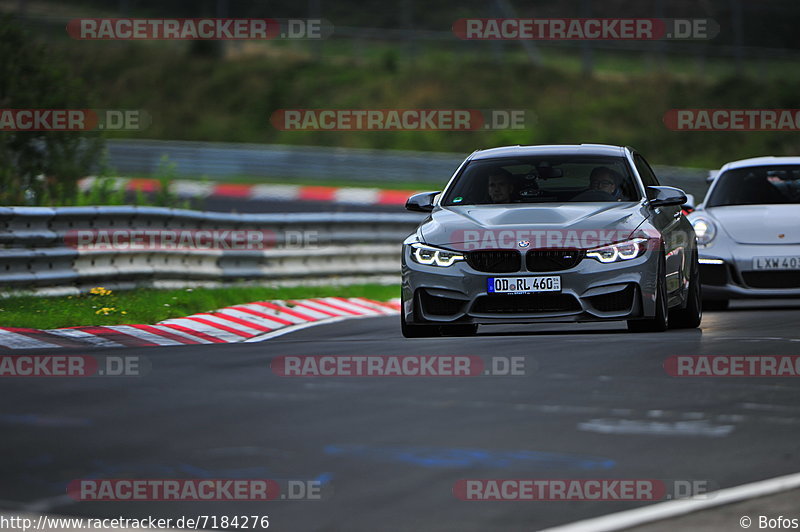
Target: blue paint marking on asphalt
438 457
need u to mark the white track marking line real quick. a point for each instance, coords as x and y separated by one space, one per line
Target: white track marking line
144 335
310 311
374 304
222 320
83 336
365 196
258 320
317 305
675 508
347 305
206 329
176 332
20 341
298 327
271 314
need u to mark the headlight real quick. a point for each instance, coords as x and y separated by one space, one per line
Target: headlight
627 250
705 230
431 256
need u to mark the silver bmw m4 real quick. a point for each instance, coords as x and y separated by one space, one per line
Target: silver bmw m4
529 234
748 229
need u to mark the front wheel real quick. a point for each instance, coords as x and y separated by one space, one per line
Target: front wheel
659 322
691 316
418 331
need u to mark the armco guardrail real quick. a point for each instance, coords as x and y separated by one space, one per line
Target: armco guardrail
38 246
219 160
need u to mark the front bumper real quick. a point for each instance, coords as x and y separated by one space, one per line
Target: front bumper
737 279
590 291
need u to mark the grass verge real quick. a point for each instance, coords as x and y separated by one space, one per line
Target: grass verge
105 307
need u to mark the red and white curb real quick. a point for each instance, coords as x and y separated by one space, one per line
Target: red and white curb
250 322
200 189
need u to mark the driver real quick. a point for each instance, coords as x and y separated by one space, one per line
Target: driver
500 186
606 180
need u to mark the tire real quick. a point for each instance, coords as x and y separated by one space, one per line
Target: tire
691 316
716 304
660 322
413 330
417 331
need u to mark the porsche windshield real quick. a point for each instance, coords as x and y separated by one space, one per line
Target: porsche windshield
757 185
544 179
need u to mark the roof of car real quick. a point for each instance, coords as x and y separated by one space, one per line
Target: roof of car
552 149
760 161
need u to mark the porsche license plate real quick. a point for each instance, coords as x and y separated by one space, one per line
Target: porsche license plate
776 263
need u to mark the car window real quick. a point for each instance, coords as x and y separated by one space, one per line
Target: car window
759 185
543 179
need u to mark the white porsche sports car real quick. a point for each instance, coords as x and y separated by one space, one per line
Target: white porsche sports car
748 231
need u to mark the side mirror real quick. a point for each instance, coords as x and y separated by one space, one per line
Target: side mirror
422 202
712 174
689 204
666 196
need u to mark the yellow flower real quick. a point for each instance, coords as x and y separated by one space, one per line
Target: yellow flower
100 291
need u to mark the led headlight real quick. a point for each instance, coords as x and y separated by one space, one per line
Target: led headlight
704 229
431 256
627 250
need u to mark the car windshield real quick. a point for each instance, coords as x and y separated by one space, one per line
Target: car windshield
757 185
543 179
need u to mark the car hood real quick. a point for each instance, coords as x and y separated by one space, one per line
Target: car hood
759 224
463 226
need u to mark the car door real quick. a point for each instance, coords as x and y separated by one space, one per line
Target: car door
670 223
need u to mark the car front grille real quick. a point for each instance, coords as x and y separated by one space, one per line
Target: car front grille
772 279
615 301
525 304
495 260
553 260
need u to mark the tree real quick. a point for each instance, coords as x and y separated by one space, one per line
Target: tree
40 167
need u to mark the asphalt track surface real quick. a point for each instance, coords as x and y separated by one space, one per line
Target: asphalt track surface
595 402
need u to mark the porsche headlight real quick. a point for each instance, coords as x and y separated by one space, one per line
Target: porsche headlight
628 250
431 256
704 229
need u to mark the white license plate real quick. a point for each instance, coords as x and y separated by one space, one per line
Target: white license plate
776 263
524 285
